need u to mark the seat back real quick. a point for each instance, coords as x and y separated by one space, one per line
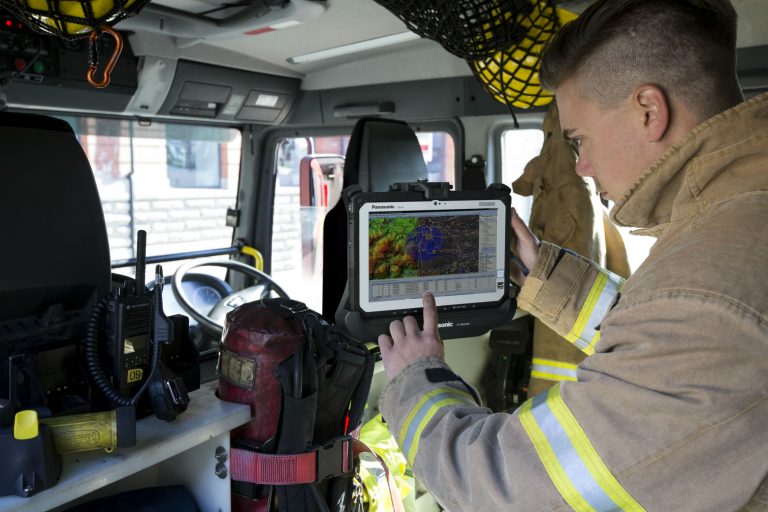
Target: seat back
54 262
380 152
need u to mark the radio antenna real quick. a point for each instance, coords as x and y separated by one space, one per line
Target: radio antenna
141 261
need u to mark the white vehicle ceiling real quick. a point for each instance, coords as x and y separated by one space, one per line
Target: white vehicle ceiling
276 62
303 27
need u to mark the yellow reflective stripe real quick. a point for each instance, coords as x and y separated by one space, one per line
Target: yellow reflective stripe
413 449
549 369
552 376
552 362
584 333
570 460
589 455
424 410
549 459
590 349
589 306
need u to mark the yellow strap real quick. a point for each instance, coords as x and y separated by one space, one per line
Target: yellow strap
414 448
589 455
536 374
553 362
549 460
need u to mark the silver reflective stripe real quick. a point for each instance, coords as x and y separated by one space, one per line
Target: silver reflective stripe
549 369
572 463
584 333
421 413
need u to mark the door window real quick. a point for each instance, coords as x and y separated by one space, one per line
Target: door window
518 147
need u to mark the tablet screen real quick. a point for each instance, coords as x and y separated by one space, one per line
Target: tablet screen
455 249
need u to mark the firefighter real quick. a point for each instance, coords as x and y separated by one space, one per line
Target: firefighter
669 411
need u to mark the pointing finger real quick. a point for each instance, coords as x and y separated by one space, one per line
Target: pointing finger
430 313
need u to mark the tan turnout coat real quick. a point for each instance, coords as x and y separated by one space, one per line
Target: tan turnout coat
670 412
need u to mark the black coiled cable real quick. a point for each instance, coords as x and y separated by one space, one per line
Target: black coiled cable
91 350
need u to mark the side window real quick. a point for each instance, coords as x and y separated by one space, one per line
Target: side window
308 184
173 181
440 155
518 147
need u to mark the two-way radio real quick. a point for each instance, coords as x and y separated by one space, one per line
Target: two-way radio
136 329
128 329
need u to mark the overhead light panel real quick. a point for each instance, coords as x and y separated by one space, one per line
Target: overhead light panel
360 46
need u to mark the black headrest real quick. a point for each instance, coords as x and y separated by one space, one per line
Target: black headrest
16 120
55 248
382 152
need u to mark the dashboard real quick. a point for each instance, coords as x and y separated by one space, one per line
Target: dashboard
203 290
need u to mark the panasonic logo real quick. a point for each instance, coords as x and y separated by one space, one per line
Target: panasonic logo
383 207
445 324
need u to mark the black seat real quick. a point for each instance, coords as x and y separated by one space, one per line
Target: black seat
380 152
54 264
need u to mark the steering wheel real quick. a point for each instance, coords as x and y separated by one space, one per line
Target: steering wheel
213 322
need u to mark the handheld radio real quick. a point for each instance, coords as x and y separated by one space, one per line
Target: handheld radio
128 329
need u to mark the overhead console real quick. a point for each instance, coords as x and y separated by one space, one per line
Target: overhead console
45 71
48 73
204 91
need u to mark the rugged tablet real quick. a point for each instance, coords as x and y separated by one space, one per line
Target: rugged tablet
423 237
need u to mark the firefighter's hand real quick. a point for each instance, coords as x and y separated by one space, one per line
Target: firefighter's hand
408 343
526 249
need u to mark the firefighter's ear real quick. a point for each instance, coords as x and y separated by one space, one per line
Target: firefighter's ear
652 103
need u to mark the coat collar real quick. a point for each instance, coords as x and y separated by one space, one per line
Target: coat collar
714 161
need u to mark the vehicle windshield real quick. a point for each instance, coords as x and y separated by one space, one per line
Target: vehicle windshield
173 181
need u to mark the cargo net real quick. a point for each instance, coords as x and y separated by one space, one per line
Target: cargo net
71 19
469 29
511 74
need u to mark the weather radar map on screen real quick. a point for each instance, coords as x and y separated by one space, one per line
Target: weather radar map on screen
432 245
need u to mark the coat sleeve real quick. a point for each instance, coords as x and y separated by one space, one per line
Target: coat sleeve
468 457
659 413
570 294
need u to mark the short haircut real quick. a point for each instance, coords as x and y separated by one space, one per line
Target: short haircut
685 47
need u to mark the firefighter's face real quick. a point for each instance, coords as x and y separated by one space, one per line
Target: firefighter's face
607 141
